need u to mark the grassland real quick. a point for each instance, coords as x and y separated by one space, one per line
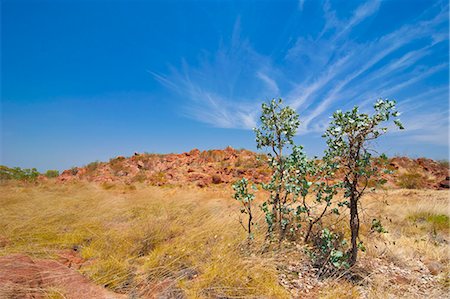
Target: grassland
186 241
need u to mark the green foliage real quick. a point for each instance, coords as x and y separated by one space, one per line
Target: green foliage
51 173
294 176
328 253
17 173
377 226
348 137
245 198
314 177
278 126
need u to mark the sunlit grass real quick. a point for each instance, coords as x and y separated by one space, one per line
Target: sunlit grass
137 239
141 240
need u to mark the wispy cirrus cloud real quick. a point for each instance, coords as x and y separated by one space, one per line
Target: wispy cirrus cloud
336 68
224 91
301 4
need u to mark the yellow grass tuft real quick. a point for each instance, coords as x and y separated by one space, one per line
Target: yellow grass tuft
139 240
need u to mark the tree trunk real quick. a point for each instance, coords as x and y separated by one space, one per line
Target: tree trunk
275 210
309 231
250 218
354 227
280 222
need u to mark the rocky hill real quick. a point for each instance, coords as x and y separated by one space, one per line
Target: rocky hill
204 168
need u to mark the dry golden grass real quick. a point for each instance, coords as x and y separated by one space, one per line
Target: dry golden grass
338 290
417 242
141 239
417 222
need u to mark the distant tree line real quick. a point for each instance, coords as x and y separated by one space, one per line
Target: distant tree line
24 174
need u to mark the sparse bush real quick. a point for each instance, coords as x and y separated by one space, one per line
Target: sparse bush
6 173
261 160
140 177
116 165
91 167
411 180
377 226
444 163
158 178
212 156
74 170
243 196
329 253
52 173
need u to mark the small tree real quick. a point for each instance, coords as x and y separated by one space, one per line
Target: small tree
278 128
294 176
348 138
242 195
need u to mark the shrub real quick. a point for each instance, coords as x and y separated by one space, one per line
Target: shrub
52 173
91 167
260 160
444 163
116 165
411 180
158 178
140 177
328 253
5 173
243 196
74 170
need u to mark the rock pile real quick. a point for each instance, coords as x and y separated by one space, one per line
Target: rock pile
204 168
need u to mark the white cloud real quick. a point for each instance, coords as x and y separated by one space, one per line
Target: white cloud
301 4
271 84
334 71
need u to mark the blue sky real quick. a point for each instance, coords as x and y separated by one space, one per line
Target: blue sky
88 80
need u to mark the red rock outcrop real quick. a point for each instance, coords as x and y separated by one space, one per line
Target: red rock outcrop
24 277
203 168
